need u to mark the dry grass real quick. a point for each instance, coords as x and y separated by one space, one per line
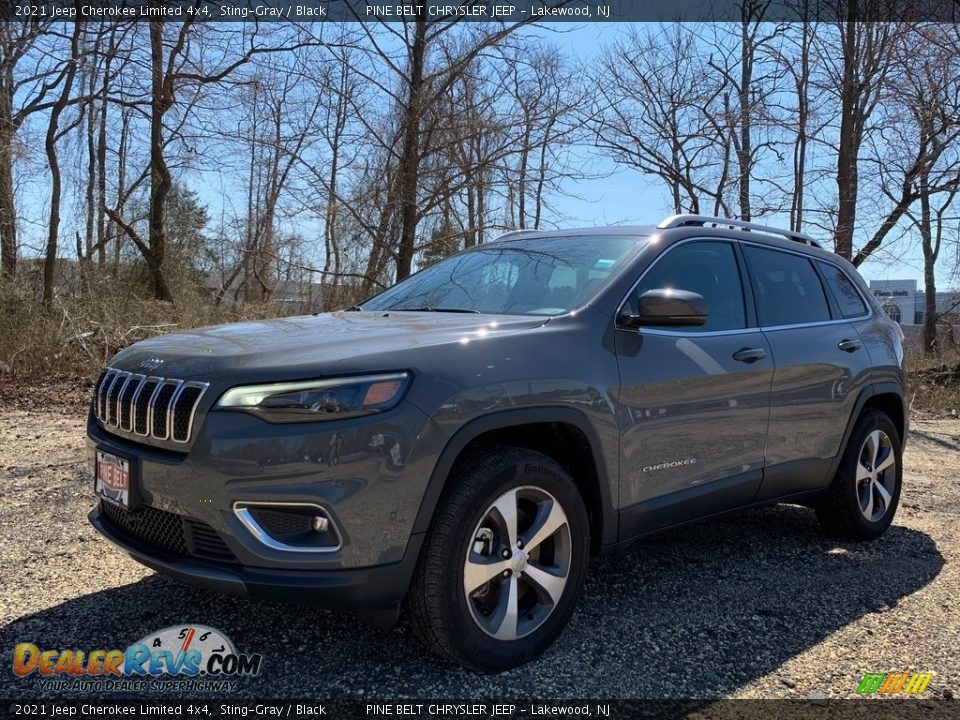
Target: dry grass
76 336
934 380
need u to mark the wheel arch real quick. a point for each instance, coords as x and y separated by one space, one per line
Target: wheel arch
562 433
886 397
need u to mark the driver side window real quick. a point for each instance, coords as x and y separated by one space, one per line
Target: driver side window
708 268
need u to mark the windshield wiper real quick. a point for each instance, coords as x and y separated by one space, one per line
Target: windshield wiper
438 309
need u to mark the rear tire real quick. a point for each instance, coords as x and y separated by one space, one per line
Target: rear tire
504 561
863 498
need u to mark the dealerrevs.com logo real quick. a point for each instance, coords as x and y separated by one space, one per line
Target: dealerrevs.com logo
192 657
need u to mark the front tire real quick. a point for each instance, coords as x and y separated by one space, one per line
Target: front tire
504 562
865 492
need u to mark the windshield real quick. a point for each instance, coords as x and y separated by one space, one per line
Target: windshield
541 277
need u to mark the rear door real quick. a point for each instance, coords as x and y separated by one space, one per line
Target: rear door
693 401
820 368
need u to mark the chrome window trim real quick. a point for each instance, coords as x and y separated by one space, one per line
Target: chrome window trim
242 511
812 259
865 301
663 254
761 328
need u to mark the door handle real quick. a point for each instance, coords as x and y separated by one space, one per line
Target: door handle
849 345
749 355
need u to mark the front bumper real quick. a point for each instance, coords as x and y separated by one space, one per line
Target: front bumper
187 524
376 587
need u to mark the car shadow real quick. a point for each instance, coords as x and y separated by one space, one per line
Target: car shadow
696 612
936 440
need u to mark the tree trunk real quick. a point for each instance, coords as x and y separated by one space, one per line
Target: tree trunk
409 167
8 213
160 180
50 145
121 191
930 340
745 146
800 144
849 147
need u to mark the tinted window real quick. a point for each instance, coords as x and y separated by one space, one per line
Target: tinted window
844 291
707 268
787 288
535 277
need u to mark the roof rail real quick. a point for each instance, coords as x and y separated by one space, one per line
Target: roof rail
515 233
675 221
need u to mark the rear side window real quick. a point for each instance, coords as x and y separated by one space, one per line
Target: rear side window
707 268
787 289
844 291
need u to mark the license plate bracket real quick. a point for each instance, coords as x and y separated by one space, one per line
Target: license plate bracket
114 479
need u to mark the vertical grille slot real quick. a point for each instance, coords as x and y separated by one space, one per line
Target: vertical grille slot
98 389
142 402
151 407
126 402
113 398
183 411
160 412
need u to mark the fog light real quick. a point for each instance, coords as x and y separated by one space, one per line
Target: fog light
290 526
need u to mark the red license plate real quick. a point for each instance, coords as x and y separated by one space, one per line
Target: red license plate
112 475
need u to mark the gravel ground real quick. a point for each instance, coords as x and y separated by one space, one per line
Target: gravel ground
755 605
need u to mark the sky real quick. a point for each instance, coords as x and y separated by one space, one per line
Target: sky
626 197
614 196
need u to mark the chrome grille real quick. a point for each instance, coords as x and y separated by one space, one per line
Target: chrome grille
154 407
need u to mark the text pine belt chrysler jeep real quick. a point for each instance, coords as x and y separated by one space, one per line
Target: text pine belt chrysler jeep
461 444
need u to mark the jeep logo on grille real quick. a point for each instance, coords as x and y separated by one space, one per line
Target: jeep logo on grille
151 364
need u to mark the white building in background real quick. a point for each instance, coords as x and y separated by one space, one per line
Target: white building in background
904 303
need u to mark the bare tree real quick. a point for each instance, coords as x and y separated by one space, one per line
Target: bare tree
654 115
418 81
30 78
926 91
50 145
738 58
866 51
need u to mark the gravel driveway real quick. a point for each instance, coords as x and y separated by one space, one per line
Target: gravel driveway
758 604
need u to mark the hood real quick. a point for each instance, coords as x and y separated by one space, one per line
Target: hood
308 345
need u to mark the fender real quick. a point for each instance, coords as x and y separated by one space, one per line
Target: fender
509 418
881 388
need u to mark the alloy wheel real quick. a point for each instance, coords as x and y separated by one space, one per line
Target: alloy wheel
876 475
518 563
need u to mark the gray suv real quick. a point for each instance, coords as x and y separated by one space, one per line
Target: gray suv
462 443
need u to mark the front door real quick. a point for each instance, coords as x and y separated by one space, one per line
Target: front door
694 401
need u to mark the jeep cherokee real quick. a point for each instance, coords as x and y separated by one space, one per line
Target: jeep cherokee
461 443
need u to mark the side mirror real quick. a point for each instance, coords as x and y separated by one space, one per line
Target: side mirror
666 308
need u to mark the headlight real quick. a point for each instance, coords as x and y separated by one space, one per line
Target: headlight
309 400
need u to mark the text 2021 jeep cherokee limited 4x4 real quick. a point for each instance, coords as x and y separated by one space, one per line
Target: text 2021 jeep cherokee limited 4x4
463 442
